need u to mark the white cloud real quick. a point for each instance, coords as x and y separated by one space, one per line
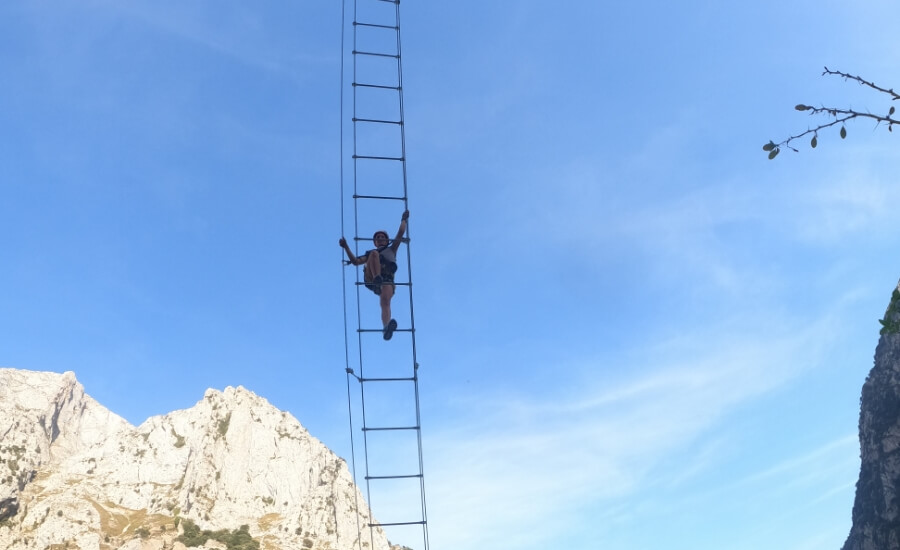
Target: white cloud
517 472
810 465
239 33
856 203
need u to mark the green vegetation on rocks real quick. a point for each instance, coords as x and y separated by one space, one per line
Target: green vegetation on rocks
891 322
237 539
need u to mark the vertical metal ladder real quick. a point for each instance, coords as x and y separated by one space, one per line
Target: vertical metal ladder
387 396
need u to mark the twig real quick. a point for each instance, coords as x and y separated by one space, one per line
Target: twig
862 82
840 116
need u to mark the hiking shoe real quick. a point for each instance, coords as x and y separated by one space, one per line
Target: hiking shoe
389 329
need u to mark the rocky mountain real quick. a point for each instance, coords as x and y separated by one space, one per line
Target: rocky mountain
876 510
232 472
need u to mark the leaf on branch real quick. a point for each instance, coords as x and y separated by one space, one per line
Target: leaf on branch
891 111
802 107
769 146
813 142
843 132
773 153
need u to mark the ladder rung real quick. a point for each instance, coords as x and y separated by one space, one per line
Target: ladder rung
394 28
395 477
390 429
381 330
403 522
390 1
376 158
381 86
376 54
377 121
387 379
362 283
404 239
378 197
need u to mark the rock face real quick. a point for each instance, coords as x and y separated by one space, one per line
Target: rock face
876 510
75 475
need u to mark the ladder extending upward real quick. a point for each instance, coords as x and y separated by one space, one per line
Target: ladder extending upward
387 394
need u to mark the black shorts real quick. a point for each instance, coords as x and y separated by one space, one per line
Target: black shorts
387 274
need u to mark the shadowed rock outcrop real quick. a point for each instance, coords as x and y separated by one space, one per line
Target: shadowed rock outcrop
876 509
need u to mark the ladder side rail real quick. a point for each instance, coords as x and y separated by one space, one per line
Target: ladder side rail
347 368
356 208
358 290
411 308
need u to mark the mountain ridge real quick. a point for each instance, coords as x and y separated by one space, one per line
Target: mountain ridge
74 474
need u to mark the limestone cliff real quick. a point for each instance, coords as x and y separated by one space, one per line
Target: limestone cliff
876 510
74 475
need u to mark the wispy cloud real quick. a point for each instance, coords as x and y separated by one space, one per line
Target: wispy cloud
652 212
516 472
852 204
813 464
241 37
240 34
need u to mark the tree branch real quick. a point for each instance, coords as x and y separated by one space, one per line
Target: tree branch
840 116
862 82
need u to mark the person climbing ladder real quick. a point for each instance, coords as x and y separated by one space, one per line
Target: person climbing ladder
380 265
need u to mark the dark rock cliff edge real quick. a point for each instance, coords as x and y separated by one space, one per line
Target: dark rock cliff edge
876 509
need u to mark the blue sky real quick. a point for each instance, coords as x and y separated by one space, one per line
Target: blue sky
634 330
